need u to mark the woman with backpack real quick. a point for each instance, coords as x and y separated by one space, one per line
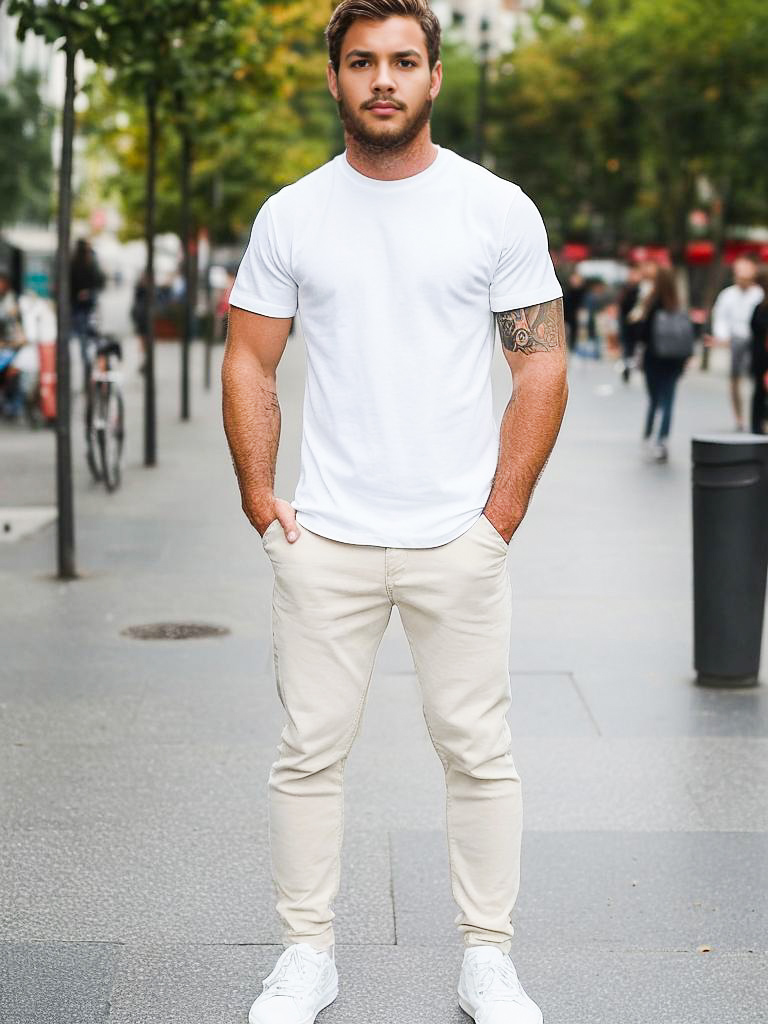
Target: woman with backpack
666 334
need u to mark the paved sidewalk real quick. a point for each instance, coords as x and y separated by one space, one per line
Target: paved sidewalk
135 882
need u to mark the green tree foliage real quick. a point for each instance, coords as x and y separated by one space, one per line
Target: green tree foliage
257 105
616 113
455 109
26 168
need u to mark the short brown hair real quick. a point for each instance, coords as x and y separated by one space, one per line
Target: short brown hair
349 11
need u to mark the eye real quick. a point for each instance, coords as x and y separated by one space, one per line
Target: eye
408 63
358 63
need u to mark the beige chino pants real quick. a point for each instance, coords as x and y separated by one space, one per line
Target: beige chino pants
331 604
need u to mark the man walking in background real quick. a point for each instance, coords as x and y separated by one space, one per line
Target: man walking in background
401 258
731 316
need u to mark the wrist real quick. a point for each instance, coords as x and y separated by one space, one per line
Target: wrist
260 510
504 520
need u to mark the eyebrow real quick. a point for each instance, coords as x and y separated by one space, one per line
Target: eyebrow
370 53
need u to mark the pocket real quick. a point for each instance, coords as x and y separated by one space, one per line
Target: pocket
496 535
269 529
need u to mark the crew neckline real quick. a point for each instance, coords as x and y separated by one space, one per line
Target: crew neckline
392 184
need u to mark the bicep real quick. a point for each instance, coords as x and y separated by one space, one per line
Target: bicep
257 337
533 334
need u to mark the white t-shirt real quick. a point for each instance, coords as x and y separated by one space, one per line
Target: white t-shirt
732 312
396 283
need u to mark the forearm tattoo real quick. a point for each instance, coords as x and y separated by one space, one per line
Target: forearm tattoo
534 328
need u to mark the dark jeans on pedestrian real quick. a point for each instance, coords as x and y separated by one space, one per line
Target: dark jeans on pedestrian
661 380
758 405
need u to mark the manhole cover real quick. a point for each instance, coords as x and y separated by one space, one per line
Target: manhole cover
174 631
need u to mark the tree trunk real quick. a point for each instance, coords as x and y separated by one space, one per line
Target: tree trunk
150 416
186 244
211 333
64 492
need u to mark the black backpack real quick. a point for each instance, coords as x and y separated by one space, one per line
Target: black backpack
673 335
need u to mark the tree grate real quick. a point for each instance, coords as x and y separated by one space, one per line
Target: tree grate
174 631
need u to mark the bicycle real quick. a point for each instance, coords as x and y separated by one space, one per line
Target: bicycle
104 410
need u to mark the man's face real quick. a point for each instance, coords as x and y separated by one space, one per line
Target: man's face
744 272
384 88
649 271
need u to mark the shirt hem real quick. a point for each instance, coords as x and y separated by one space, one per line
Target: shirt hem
506 302
256 305
315 524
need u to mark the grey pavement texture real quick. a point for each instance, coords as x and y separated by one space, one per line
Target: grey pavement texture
134 871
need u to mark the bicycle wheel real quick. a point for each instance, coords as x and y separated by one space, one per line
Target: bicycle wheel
110 435
91 441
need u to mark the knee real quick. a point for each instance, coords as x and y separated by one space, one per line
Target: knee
308 756
480 752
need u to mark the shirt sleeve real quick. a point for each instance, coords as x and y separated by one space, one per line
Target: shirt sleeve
524 274
721 327
264 283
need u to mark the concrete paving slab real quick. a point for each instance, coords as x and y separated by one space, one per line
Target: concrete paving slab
379 985
170 886
21 521
644 784
56 982
626 702
191 983
618 892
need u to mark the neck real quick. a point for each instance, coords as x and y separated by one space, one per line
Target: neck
391 164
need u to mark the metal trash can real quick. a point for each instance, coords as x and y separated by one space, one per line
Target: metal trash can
730 556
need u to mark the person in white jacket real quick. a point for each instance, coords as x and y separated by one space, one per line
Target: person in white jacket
731 315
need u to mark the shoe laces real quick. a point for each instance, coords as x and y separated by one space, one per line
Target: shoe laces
497 980
295 974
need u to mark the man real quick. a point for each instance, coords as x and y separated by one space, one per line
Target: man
731 317
397 254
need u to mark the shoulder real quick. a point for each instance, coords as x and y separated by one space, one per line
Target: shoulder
485 188
300 194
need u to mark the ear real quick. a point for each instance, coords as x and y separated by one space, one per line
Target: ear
436 80
333 81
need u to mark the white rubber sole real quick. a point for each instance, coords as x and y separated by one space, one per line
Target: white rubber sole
327 1000
466 1008
469 1013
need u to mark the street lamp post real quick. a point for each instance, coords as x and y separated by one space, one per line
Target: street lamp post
64 490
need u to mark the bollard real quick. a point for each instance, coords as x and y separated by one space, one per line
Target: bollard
730 556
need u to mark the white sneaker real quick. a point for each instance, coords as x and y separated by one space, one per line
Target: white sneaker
489 989
304 981
660 452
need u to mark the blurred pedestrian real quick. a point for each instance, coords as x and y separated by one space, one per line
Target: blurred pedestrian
628 298
666 334
759 367
10 343
573 300
86 281
9 312
731 316
594 301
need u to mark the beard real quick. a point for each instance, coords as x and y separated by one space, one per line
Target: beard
386 138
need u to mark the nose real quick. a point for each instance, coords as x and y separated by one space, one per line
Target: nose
382 79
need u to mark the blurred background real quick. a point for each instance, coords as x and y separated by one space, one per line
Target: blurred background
639 127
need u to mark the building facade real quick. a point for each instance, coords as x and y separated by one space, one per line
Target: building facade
495 22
